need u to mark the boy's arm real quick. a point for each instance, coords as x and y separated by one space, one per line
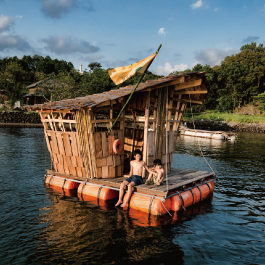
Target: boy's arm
131 169
149 170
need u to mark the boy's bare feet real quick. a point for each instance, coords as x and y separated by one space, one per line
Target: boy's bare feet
118 203
123 205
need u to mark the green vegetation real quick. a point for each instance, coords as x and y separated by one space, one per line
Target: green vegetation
223 116
238 81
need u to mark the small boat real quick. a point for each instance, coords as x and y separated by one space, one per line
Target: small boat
217 135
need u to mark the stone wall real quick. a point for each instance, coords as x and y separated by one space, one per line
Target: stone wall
19 117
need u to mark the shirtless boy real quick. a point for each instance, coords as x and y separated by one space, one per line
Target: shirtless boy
156 173
136 168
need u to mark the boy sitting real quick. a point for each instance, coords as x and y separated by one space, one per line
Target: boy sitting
156 173
136 168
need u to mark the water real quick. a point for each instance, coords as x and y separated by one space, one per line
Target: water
41 226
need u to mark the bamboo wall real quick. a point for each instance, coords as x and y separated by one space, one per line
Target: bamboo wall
108 164
63 143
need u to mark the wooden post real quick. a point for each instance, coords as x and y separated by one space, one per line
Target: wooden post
175 126
161 124
133 136
146 123
169 107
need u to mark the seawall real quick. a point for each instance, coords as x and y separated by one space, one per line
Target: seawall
227 126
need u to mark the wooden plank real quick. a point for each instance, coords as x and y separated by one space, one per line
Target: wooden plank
112 172
67 145
105 172
74 144
105 145
117 160
68 160
188 92
65 166
60 142
111 139
110 160
79 172
54 143
188 84
72 171
73 161
99 172
101 162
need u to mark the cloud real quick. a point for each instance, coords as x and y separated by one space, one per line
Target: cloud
91 58
250 39
196 5
6 22
161 31
57 8
216 9
8 41
64 45
168 68
212 56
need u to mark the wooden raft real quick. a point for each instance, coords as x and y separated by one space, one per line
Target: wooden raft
177 179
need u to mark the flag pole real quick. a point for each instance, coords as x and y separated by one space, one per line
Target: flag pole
124 106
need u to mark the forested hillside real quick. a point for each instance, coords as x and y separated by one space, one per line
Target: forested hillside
237 81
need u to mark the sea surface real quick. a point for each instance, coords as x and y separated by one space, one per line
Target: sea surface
39 225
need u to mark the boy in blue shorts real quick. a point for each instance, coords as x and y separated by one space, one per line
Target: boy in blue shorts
135 177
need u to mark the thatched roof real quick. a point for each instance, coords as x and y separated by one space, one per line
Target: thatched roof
185 83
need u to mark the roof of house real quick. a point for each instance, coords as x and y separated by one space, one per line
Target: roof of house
96 99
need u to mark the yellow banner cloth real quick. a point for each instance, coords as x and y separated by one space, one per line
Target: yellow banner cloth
121 74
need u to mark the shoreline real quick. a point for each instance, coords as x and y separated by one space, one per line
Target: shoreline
227 126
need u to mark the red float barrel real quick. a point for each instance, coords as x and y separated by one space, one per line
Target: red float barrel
63 183
192 196
149 204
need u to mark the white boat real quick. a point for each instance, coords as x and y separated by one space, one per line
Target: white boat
218 135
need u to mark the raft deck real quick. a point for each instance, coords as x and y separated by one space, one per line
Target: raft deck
177 179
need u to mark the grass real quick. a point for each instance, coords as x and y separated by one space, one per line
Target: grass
221 116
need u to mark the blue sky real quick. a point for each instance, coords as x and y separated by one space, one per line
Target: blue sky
117 33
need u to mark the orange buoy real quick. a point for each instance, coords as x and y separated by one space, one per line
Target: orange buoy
117 146
192 196
63 183
149 204
100 192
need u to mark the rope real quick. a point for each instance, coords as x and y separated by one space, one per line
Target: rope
200 193
99 190
167 140
198 141
166 209
150 204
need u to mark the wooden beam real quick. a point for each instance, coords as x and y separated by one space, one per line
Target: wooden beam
146 124
188 84
193 92
192 101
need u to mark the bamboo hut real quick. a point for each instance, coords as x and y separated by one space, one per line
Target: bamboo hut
76 129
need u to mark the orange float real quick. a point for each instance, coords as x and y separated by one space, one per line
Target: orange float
192 196
64 183
99 192
148 204
117 146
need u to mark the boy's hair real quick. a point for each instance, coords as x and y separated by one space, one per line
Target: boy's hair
137 152
157 162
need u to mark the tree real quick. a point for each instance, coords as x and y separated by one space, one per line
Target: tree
12 81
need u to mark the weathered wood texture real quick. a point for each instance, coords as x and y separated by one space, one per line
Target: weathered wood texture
109 164
65 152
178 179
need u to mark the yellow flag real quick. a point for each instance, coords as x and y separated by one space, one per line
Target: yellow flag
121 74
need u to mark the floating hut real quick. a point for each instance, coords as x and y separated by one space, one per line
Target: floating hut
82 151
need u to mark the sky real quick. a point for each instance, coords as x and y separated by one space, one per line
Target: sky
118 32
